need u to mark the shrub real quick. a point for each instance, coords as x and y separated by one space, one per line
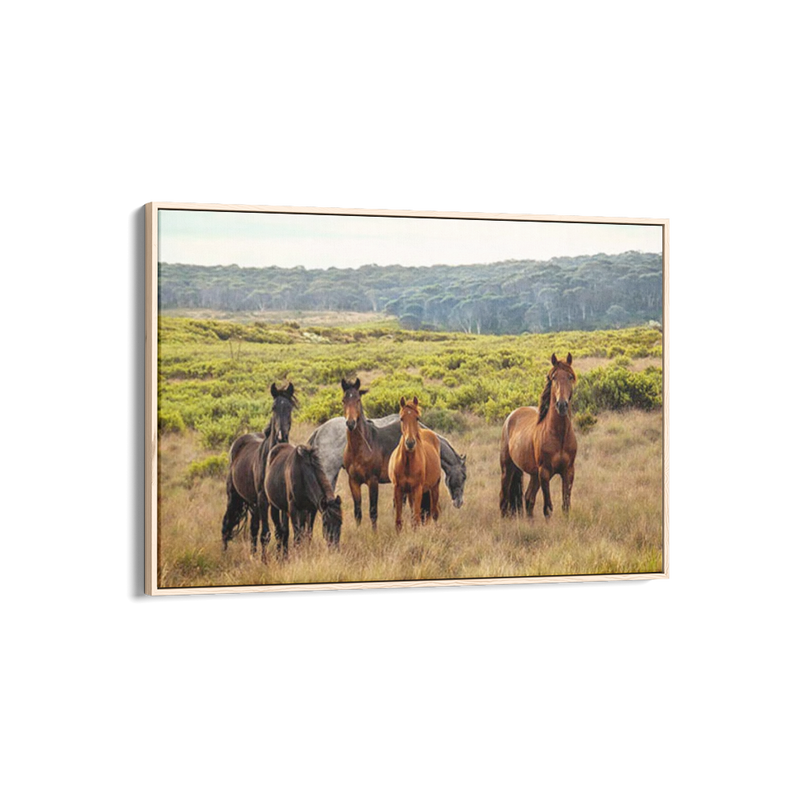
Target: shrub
169 420
585 421
211 467
444 421
616 388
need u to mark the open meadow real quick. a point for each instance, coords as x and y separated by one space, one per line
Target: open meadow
214 379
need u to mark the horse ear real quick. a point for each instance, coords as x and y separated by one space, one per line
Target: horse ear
345 385
357 384
274 390
464 459
554 360
362 392
569 359
402 402
416 402
290 389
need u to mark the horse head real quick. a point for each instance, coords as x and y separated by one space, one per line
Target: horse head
351 402
283 402
332 519
409 422
562 381
455 478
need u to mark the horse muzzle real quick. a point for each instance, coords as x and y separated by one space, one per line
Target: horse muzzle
562 407
411 444
351 424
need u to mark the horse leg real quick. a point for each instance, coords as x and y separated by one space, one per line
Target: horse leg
544 480
530 493
355 490
510 488
255 524
566 487
416 505
281 530
298 521
263 513
426 506
433 499
398 508
373 503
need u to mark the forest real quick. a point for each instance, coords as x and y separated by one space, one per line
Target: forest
509 297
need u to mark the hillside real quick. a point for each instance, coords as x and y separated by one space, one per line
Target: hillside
581 293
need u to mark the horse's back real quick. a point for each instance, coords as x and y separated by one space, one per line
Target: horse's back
243 466
433 457
517 437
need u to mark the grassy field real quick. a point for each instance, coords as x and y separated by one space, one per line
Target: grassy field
214 378
614 525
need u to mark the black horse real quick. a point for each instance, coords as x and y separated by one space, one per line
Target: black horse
297 489
248 463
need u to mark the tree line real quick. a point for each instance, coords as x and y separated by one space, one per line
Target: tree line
566 293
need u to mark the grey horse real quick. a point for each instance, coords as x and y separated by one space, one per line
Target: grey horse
330 438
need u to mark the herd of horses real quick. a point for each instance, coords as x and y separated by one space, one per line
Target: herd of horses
269 478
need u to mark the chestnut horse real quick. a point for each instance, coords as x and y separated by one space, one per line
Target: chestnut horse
415 467
366 451
540 441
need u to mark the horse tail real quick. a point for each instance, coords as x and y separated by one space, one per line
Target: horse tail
235 514
511 480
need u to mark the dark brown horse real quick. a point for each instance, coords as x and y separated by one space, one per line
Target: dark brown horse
297 489
540 441
248 460
366 452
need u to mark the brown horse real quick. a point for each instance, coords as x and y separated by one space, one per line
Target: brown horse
540 441
365 459
248 459
415 466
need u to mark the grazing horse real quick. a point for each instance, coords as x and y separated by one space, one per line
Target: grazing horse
296 488
415 467
330 439
248 460
540 441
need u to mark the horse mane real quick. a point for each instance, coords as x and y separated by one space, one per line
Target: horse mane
310 455
544 400
292 398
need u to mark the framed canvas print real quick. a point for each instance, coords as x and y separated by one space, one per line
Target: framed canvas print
345 398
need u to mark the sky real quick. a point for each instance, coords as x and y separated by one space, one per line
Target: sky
257 239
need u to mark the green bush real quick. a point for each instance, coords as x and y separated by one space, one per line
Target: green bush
444 421
170 420
211 467
615 388
584 421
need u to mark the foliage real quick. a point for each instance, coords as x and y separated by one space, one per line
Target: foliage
211 467
568 293
201 387
584 421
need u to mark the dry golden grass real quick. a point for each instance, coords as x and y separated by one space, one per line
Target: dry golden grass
615 525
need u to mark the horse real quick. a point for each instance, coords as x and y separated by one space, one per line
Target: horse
540 441
415 467
248 459
330 439
366 451
297 489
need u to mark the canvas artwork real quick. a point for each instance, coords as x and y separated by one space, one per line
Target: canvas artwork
348 398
